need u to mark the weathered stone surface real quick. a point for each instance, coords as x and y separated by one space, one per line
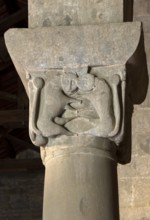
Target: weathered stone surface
140 120
141 144
142 13
134 192
79 50
137 168
134 179
125 192
141 8
74 12
142 167
136 213
145 20
58 47
78 65
142 192
76 177
79 47
128 171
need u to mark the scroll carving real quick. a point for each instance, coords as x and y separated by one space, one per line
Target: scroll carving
74 102
35 86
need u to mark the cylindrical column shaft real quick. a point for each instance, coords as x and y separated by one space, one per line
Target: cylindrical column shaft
80 184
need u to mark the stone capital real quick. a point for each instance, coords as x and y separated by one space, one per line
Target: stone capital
78 81
83 70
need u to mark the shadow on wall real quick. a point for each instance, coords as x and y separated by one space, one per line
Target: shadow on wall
137 87
128 10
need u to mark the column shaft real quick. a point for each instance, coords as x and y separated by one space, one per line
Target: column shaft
80 184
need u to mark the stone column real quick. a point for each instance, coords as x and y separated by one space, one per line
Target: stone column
83 69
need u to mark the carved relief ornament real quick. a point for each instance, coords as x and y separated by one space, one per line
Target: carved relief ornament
75 102
82 82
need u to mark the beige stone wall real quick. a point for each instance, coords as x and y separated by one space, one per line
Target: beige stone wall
134 179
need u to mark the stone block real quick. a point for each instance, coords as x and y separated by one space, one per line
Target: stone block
74 12
139 167
75 46
141 141
141 8
59 47
140 120
127 171
134 192
141 192
146 21
142 166
136 213
125 192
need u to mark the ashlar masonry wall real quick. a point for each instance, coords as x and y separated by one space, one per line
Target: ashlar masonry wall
134 179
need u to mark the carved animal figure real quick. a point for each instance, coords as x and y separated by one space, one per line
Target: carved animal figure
95 114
